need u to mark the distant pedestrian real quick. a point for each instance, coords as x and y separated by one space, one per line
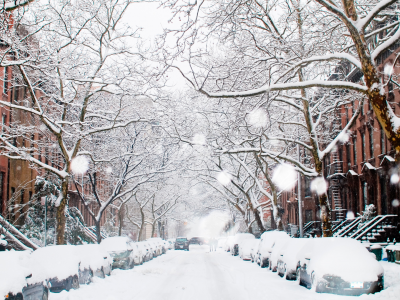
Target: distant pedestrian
213 244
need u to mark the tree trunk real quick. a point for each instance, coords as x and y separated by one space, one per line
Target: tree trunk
98 231
121 219
60 215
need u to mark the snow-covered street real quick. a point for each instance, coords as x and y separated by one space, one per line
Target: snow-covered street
199 274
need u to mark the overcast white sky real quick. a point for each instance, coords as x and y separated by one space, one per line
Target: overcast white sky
152 20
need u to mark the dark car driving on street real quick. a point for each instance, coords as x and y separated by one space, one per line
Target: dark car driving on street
182 243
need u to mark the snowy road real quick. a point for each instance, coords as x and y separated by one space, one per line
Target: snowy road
199 274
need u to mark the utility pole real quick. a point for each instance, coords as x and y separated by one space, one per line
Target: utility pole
299 195
45 221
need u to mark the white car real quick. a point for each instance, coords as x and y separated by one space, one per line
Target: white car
287 260
15 277
229 243
221 243
254 250
267 241
246 247
339 266
239 238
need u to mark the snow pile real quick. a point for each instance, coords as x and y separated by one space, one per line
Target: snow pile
14 270
285 177
343 257
59 261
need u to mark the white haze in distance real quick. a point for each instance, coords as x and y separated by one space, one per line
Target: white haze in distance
258 118
319 185
79 165
285 177
211 226
224 178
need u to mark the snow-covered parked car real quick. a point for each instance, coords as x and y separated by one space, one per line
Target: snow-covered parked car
121 250
339 266
246 247
238 239
267 241
287 260
96 259
16 284
221 243
149 250
276 250
158 245
59 265
171 243
254 250
229 242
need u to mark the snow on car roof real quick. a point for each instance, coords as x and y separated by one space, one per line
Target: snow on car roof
14 270
59 261
116 243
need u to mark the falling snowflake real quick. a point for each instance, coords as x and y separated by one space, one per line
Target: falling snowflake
350 215
79 165
344 136
285 177
395 203
394 179
199 139
388 70
224 178
109 170
319 185
258 118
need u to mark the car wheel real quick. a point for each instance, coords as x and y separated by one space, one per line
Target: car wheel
75 282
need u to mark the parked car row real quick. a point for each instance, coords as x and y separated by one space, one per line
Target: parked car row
326 265
66 267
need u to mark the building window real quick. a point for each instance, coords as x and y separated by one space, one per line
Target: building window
308 216
1 191
362 107
363 146
383 148
355 151
371 142
365 194
5 86
348 155
3 123
382 181
307 190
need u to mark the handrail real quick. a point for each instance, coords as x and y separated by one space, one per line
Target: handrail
15 234
349 227
372 226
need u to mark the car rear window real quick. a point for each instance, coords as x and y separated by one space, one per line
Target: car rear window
181 240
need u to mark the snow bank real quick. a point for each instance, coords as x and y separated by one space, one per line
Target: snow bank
343 257
13 271
59 261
